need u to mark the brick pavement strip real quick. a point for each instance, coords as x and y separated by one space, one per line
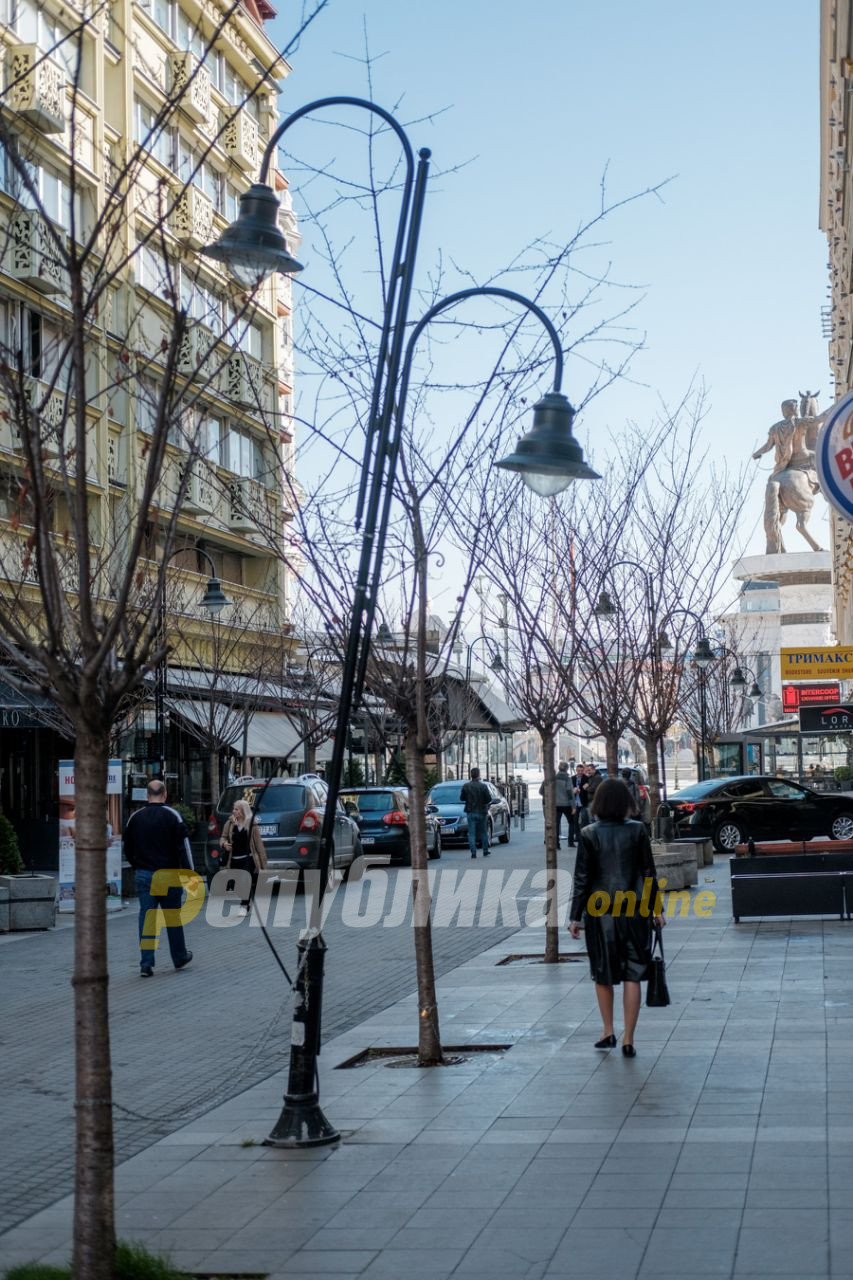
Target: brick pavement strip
724 1149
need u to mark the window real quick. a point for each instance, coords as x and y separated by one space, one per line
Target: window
751 790
249 338
165 14
149 133
784 790
212 438
152 270
244 454
147 400
34 26
189 36
41 344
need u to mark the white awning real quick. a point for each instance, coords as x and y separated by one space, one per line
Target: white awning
271 734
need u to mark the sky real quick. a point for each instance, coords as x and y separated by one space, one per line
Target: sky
534 101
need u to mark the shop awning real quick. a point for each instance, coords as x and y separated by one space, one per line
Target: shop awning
271 734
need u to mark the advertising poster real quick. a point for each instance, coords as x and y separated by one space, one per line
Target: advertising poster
67 813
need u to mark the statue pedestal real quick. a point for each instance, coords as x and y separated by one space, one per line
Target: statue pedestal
804 579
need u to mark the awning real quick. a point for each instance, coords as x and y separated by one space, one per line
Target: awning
271 734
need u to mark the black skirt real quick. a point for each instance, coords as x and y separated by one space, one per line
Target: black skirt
619 948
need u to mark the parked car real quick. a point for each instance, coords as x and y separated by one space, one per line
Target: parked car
730 810
382 815
289 816
445 801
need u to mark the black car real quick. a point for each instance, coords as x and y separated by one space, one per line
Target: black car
445 800
382 815
730 810
289 816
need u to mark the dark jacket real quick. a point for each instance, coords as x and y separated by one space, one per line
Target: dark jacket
615 857
155 838
476 796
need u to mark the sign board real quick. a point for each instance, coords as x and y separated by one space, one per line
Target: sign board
795 696
813 664
834 457
836 718
67 838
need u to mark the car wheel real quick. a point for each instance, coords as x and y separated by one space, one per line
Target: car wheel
346 871
842 827
436 853
727 835
504 839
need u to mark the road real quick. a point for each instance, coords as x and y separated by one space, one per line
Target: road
184 1042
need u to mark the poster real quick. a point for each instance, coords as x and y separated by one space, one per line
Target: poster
67 811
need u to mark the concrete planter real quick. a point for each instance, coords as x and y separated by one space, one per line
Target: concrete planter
31 901
4 909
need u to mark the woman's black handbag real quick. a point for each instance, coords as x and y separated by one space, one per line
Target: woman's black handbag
657 995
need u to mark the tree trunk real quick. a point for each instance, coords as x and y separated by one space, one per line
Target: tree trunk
214 778
429 1037
552 926
611 752
652 747
310 756
94 1215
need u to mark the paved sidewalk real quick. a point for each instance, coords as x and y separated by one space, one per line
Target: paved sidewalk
724 1149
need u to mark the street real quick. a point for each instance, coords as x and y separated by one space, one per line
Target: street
184 1042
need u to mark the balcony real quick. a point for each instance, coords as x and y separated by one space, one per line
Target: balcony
240 140
32 255
189 85
36 88
192 217
247 505
197 351
202 496
242 381
50 409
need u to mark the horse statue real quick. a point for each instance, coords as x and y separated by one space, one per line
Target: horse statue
792 484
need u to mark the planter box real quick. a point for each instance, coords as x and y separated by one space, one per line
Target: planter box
32 901
4 909
796 884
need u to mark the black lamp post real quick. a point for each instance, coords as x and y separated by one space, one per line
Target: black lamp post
254 247
214 601
605 608
496 665
703 657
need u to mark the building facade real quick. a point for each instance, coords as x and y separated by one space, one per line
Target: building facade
137 126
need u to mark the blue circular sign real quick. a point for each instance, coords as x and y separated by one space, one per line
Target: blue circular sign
834 457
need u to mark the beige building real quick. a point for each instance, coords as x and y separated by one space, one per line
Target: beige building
162 109
836 219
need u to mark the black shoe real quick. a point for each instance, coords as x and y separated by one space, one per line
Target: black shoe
182 964
607 1042
473 855
570 845
146 971
487 853
559 846
628 1051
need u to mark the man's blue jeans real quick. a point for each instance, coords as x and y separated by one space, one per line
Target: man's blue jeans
478 829
171 900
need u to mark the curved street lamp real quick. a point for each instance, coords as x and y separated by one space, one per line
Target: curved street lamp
495 664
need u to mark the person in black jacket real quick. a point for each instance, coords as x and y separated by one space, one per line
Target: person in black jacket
616 891
156 839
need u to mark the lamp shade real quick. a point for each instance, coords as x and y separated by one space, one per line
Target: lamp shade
605 607
497 663
703 655
738 680
384 633
664 641
254 246
214 599
755 691
549 458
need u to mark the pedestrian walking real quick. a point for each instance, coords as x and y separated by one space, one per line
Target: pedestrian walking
476 797
615 891
565 802
242 841
636 799
156 839
588 781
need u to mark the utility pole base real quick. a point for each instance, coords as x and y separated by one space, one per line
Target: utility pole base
302 1124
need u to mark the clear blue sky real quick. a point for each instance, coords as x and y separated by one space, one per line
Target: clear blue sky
541 96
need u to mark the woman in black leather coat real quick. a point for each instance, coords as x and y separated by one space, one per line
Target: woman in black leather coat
616 890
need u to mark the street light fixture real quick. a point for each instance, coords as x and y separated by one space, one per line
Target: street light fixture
605 607
548 458
214 601
495 664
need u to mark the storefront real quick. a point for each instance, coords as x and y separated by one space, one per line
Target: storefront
30 750
820 760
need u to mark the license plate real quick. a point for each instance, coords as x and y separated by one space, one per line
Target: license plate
368 839
268 828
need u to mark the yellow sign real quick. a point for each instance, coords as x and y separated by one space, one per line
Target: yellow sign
817 664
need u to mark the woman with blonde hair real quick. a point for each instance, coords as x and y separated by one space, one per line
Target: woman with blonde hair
241 840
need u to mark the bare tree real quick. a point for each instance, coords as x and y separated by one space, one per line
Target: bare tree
90 505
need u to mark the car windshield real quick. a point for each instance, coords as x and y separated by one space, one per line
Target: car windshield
370 801
447 793
264 799
699 789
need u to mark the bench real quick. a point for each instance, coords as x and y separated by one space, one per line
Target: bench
793 884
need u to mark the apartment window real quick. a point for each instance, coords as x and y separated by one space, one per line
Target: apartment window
231 202
152 135
189 36
212 437
249 338
244 454
165 14
33 26
152 271
147 403
41 345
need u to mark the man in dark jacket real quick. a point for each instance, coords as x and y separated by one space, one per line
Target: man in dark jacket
476 797
156 839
